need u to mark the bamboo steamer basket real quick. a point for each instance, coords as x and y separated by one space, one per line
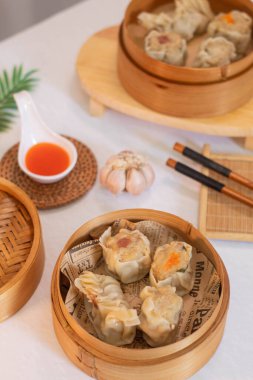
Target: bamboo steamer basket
182 91
21 249
177 361
182 74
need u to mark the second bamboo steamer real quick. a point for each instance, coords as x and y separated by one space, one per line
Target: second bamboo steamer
182 91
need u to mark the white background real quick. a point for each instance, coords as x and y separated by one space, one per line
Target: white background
28 347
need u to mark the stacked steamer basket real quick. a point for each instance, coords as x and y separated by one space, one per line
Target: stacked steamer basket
21 249
181 91
105 362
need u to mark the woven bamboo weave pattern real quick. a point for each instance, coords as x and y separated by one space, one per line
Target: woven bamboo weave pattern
221 217
225 214
16 237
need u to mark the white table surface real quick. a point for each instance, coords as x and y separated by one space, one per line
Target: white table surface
28 346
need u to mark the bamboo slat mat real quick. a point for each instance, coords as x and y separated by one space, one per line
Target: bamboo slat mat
16 236
221 217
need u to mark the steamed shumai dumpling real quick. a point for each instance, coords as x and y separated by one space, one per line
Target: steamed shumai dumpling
217 51
160 312
191 17
126 254
161 22
113 319
235 26
171 266
167 47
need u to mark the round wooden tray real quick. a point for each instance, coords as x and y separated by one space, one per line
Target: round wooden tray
100 80
178 360
21 249
76 184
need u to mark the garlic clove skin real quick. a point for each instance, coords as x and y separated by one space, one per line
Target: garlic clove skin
112 159
148 174
135 182
104 172
116 181
117 163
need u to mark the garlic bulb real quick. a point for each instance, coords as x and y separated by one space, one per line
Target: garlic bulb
127 171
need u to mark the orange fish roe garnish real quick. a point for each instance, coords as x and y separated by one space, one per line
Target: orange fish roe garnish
229 18
172 261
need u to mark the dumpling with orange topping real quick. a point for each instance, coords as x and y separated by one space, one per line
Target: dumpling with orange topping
235 26
126 254
172 266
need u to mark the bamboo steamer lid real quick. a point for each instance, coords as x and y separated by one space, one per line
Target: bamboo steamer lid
179 360
21 249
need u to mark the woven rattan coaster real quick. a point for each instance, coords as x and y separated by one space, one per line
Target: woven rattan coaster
76 184
222 217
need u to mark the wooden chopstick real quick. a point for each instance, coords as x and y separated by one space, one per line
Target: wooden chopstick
209 182
210 164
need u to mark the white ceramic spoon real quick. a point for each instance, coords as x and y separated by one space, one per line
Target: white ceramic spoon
35 131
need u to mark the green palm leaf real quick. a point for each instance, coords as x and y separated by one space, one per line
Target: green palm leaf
9 85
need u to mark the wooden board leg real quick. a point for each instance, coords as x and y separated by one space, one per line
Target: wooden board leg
248 142
96 108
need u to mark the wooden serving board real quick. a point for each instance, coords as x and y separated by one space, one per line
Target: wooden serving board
97 70
221 217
